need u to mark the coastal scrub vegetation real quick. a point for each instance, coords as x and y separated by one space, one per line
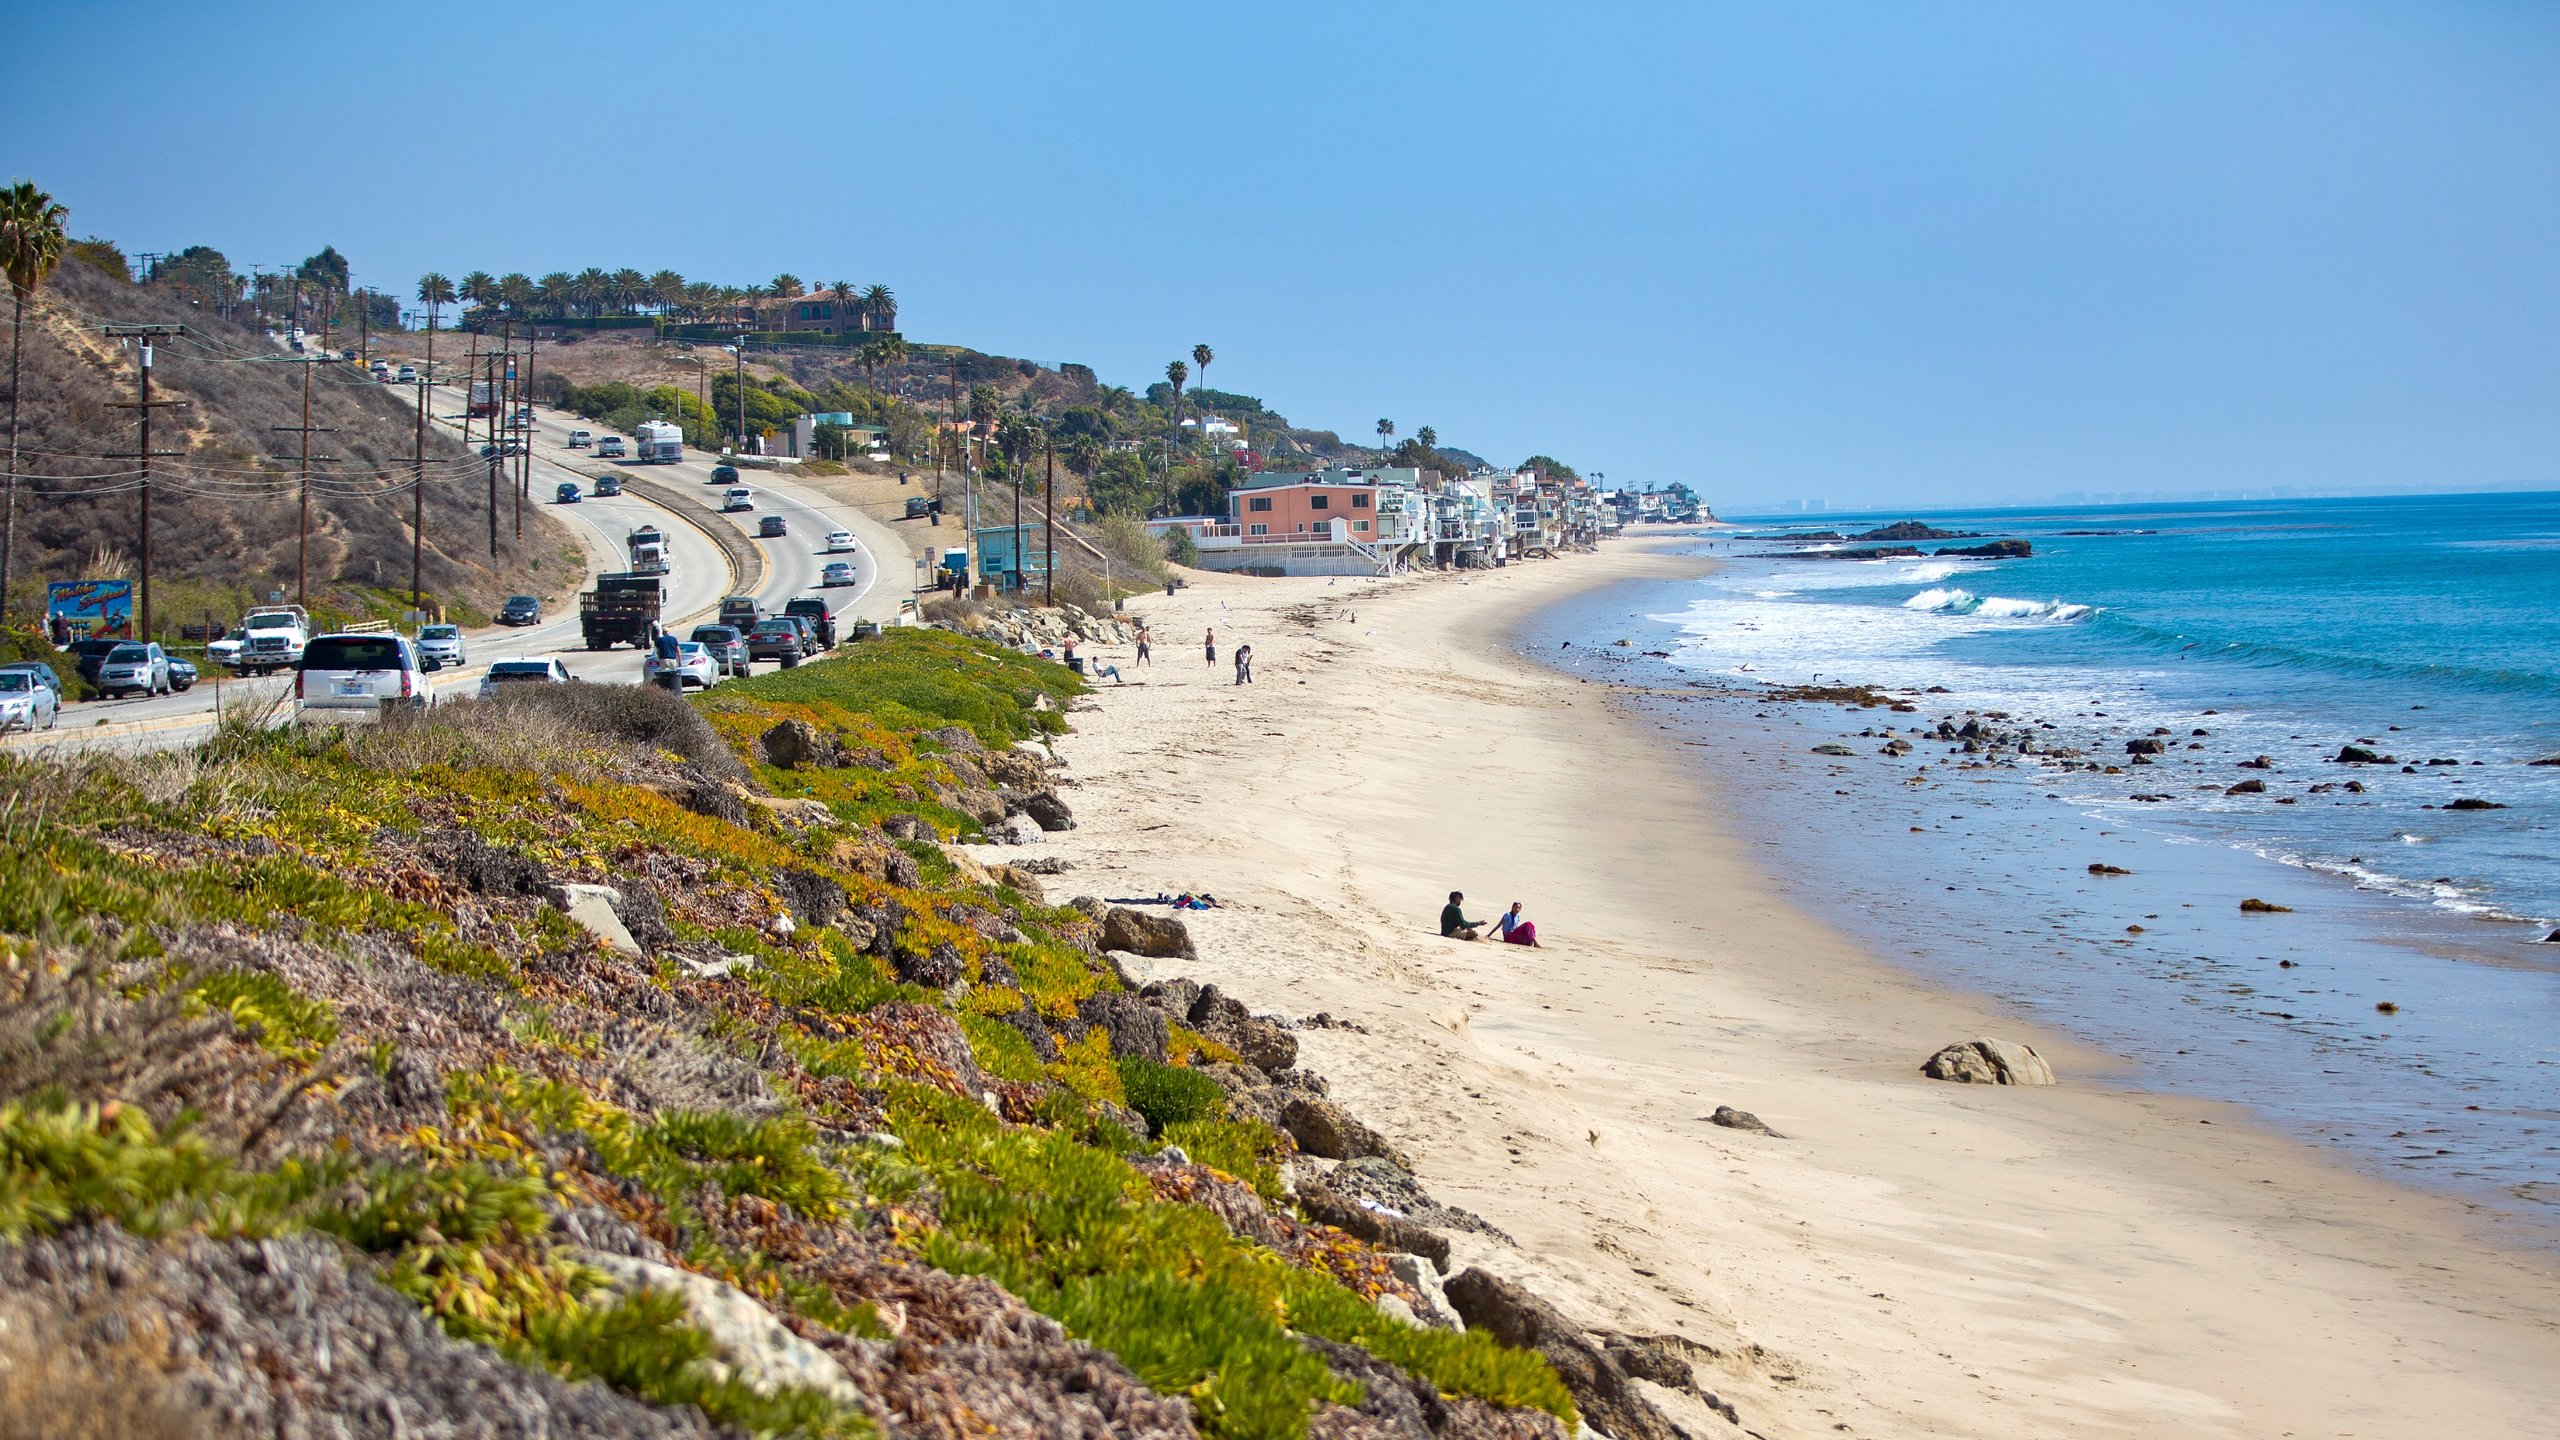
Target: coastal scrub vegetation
316 988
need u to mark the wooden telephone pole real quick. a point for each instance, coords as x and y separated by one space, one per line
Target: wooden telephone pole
302 543
144 404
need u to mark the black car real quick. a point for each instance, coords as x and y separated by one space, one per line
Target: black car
520 610
609 485
88 655
724 474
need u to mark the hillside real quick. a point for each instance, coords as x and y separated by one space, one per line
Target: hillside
224 515
592 1062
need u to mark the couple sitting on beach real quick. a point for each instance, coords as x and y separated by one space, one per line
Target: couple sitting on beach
1511 927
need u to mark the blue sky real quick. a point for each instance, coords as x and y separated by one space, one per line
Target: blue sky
1866 253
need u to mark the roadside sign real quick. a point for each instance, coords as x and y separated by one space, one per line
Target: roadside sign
90 609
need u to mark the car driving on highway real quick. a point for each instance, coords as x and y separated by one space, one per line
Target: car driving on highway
359 673
777 639
520 610
772 527
839 541
567 494
609 485
836 573
514 674
728 646
737 497
442 643
182 675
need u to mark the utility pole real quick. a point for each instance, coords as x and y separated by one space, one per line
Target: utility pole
702 390
524 462
302 544
742 392
418 505
144 404
1049 508
494 456
364 328
470 372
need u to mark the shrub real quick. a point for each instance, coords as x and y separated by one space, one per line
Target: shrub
1167 1095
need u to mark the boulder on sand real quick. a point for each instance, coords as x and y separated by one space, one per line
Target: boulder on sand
1330 1132
1989 1062
1601 1387
1733 1119
1158 937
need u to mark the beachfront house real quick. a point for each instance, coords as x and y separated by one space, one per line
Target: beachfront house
1334 521
799 439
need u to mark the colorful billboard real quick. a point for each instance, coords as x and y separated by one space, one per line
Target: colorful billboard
89 609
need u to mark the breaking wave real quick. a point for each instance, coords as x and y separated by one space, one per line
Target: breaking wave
1949 600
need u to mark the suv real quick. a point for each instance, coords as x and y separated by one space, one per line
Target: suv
777 639
581 439
728 647
813 608
87 655
736 498
741 612
520 610
134 667
362 673
441 643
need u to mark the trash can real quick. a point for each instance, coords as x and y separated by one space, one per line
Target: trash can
1076 663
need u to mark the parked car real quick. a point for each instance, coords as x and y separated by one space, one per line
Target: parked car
918 507
27 703
737 497
134 667
442 644
777 639
724 474
182 675
741 612
772 527
506 675
839 541
610 448
727 644
37 671
87 655
567 494
520 610
226 650
362 672
808 632
836 573
609 485
819 616
581 439
679 665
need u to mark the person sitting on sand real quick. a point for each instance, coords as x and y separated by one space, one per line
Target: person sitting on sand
1453 919
1107 672
1515 928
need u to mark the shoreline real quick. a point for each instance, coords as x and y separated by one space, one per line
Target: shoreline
1921 1258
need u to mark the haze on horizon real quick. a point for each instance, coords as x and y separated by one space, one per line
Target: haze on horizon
1866 254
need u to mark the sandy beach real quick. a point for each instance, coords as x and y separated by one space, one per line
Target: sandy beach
1914 1258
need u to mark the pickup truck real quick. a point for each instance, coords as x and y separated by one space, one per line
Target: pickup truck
609 448
813 609
741 612
621 609
273 637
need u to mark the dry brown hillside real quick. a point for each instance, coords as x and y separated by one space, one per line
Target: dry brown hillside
224 514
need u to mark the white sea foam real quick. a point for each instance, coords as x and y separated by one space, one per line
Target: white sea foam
1950 600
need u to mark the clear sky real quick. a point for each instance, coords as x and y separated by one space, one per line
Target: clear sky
1863 252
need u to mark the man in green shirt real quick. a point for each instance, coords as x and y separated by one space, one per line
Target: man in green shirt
1454 921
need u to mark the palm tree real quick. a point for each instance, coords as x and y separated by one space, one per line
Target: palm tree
1386 432
517 291
877 351
31 244
591 290
879 303
786 285
435 292
666 289
479 288
848 297
1177 372
1429 437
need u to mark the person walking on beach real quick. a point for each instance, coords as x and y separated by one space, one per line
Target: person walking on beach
1146 639
1453 918
1244 664
1209 645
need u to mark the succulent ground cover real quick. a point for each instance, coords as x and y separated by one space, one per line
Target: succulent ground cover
304 1014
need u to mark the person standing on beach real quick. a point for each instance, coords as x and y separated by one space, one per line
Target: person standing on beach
1244 664
1209 645
1146 638
1453 918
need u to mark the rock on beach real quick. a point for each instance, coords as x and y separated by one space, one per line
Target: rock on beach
1989 1062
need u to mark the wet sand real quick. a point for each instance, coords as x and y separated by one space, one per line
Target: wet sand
1916 1258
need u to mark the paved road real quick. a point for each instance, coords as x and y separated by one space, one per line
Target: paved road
699 577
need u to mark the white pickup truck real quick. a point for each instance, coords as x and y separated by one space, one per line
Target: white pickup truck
272 638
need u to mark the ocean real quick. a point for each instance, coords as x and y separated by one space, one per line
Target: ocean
2402 1008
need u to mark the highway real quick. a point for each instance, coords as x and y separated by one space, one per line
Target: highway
699 577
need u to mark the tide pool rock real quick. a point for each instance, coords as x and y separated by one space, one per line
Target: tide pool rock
1989 1062
752 1343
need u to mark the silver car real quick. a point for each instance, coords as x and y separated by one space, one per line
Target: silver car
136 668
443 643
27 703
506 675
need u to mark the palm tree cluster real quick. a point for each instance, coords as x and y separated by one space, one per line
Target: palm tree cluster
31 244
594 293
